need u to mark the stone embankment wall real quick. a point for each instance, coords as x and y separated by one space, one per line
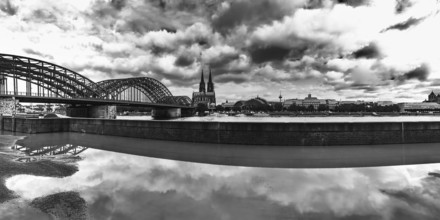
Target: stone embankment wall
288 134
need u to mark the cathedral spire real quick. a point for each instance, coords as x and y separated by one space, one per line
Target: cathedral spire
202 83
210 83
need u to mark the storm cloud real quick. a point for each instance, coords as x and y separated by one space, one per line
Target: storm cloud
8 8
420 73
369 51
282 43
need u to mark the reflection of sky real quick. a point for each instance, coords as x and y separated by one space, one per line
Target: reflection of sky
133 187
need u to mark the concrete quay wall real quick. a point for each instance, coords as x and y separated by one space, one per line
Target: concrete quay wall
251 133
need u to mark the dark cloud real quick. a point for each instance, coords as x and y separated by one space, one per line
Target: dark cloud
183 61
223 60
353 3
406 24
272 53
8 8
402 5
238 79
369 51
118 4
251 13
162 4
420 73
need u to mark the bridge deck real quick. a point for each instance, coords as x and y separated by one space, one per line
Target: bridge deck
89 101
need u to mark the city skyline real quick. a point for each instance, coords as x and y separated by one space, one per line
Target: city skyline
355 50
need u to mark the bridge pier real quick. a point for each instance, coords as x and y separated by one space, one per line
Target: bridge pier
94 111
166 113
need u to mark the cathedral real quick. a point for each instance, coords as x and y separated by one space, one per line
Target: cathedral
205 96
433 98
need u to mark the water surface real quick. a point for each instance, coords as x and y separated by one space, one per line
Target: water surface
124 186
311 119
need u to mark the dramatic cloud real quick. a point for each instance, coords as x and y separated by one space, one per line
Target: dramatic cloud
406 24
309 45
354 3
251 13
402 5
274 53
420 73
369 51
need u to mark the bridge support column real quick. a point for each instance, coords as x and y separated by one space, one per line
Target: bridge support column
188 112
101 111
166 113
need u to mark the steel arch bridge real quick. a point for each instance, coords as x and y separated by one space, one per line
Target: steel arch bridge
44 79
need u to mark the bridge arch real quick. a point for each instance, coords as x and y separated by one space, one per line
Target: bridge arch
60 81
152 88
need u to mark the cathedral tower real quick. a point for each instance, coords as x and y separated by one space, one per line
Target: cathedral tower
202 84
210 83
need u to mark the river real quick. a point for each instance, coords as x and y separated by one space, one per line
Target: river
114 179
422 118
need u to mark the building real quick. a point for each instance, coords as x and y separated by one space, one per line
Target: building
357 102
331 103
432 97
288 102
228 105
419 107
255 104
204 96
315 102
310 100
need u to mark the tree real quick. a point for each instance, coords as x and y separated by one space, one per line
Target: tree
201 107
278 107
219 108
311 108
293 108
322 107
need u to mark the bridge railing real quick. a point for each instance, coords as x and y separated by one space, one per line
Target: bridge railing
29 94
51 95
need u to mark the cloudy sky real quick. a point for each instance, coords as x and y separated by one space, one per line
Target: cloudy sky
346 49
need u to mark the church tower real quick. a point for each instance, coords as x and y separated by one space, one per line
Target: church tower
202 84
210 83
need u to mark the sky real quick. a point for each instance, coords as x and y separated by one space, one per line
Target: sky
346 49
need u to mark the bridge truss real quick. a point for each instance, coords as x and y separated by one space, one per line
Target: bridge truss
44 79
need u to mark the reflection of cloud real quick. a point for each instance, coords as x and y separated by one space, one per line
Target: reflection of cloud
132 187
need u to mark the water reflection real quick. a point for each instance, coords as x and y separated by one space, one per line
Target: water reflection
67 149
123 186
